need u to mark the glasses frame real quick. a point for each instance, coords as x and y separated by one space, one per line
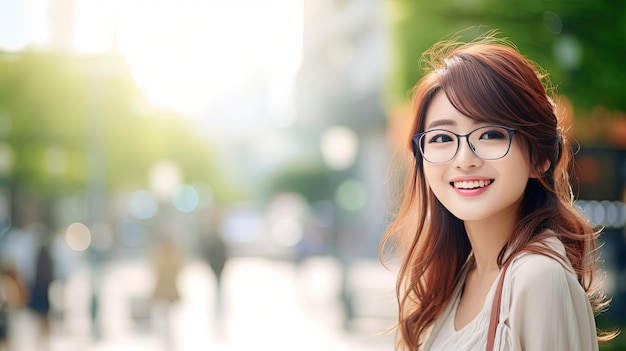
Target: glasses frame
417 143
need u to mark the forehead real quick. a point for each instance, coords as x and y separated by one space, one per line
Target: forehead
442 114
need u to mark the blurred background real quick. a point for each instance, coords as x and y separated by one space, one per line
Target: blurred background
212 174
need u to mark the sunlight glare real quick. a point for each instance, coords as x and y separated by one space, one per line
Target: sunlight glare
23 24
193 57
93 22
193 54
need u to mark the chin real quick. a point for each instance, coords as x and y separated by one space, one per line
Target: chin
471 215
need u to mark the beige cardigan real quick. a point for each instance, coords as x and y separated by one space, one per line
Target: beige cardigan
543 308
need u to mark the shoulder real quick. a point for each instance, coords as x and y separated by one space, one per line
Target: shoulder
553 259
540 272
533 267
544 306
537 275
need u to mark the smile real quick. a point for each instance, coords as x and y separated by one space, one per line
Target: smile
471 184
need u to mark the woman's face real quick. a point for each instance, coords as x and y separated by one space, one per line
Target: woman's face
472 188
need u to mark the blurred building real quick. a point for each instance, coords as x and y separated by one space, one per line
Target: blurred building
600 187
340 84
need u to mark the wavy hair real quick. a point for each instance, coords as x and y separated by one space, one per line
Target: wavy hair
488 80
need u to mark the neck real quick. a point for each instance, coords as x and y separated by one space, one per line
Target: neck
487 239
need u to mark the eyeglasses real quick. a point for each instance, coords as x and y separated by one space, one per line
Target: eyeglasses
441 145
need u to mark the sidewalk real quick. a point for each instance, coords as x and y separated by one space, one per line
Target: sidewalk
267 305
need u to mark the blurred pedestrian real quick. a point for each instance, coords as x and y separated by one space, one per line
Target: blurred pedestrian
13 297
488 188
216 254
168 261
39 301
5 317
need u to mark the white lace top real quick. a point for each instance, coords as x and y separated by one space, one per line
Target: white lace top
543 308
472 336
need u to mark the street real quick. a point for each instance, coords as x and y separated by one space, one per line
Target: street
266 305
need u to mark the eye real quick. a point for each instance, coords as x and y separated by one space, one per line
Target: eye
494 133
439 137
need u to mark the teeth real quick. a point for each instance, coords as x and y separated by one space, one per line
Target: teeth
471 184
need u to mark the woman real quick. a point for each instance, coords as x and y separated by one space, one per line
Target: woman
488 188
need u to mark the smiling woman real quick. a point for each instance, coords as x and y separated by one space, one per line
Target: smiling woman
499 199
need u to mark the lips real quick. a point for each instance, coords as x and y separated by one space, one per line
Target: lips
471 184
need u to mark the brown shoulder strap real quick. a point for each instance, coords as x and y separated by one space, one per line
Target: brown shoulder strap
495 310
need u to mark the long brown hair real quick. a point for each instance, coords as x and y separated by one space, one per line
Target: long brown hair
486 79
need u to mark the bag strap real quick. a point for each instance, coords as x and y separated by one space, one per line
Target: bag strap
495 310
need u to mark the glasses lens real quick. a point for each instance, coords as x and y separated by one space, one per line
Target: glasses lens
438 145
490 142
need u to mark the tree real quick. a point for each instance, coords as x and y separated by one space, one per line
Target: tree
68 120
581 43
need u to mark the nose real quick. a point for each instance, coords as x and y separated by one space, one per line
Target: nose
465 157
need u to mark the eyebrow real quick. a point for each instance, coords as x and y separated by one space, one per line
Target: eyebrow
441 122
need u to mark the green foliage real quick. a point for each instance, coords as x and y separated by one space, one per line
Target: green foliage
594 29
606 324
44 103
77 120
311 181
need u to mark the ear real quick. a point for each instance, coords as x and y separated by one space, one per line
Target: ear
544 168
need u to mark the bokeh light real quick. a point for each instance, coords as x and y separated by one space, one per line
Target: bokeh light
287 231
142 204
78 236
351 195
164 178
339 146
609 214
186 198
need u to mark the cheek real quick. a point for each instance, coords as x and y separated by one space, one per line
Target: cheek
521 151
517 172
432 176
428 176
